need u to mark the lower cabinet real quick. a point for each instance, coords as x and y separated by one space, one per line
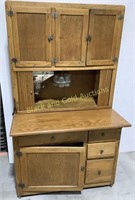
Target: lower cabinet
65 161
52 168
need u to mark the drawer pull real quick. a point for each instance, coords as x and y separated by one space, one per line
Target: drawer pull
103 134
52 138
99 172
101 151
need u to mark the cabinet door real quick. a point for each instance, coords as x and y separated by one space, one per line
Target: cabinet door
30 29
25 90
105 27
52 168
71 32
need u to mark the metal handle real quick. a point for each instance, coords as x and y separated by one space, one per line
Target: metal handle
50 38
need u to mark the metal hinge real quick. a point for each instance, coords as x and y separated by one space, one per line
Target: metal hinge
21 185
120 17
14 111
82 168
115 59
54 14
10 13
19 153
14 60
50 38
88 38
54 60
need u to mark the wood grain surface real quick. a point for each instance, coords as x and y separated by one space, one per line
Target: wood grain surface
41 123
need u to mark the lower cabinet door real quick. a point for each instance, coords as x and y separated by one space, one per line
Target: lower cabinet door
52 168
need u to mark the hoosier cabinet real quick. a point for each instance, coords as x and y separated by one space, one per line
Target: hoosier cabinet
64 59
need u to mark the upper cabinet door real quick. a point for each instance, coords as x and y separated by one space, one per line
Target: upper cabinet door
31 28
105 27
71 32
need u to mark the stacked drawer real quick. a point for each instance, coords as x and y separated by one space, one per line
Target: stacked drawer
102 151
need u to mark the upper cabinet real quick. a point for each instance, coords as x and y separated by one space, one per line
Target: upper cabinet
104 37
56 35
71 31
31 28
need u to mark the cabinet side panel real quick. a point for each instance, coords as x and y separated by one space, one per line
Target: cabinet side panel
104 87
12 55
17 166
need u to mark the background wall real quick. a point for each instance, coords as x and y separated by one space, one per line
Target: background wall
124 99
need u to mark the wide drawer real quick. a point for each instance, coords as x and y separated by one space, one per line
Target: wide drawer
101 150
99 171
104 135
50 139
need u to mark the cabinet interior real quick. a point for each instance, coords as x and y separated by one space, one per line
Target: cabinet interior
63 90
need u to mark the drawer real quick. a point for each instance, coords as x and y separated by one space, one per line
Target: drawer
99 171
53 139
104 135
101 150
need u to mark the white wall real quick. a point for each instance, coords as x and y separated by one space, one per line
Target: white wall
5 78
124 102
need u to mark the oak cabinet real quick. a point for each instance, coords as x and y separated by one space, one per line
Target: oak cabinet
63 61
52 168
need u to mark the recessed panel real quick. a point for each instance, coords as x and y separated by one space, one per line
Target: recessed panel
71 30
32 36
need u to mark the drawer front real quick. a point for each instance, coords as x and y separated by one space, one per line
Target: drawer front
104 135
101 150
50 139
99 171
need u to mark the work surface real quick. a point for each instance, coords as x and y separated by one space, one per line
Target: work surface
54 122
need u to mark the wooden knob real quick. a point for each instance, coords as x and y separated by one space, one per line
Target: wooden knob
52 138
31 92
99 172
101 151
103 134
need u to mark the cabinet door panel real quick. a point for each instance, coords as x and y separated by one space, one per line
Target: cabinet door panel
71 31
105 32
31 28
52 168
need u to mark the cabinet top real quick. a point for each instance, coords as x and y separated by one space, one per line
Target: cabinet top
77 5
56 122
